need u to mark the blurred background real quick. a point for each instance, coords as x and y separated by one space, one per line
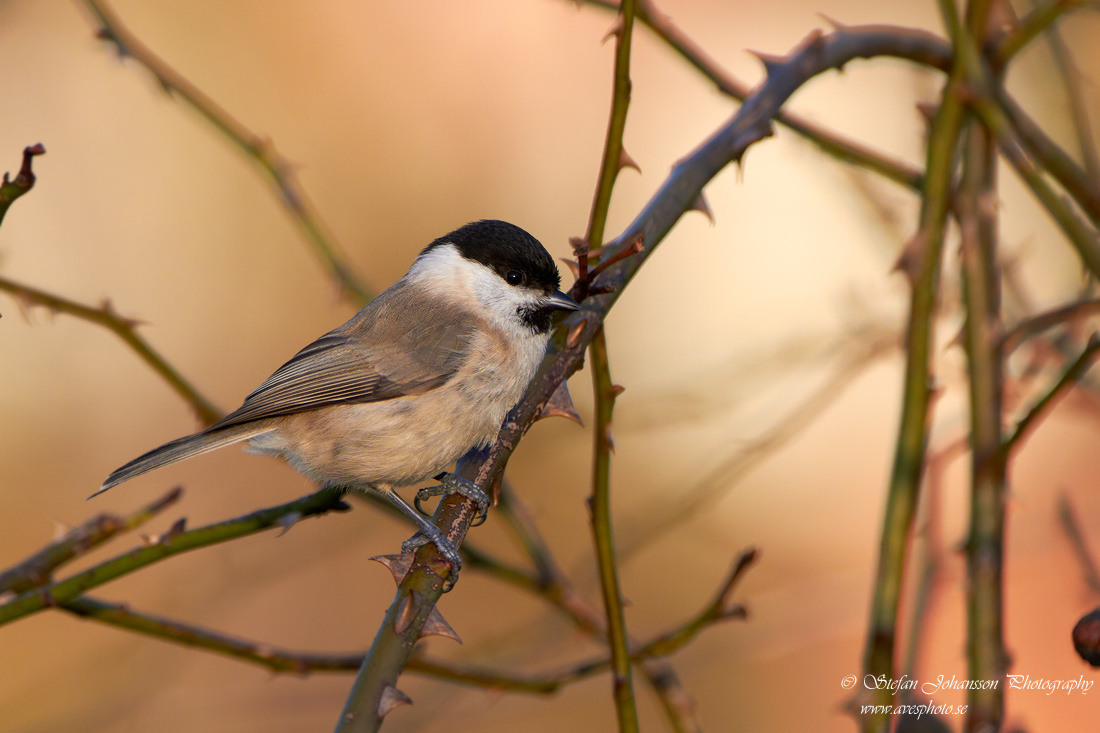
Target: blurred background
406 120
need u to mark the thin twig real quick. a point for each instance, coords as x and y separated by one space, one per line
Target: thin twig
1069 377
37 570
11 189
912 433
1083 239
1076 181
1025 329
125 329
599 505
1034 24
171 543
1072 81
987 658
257 149
556 588
285 661
121 616
830 142
1067 516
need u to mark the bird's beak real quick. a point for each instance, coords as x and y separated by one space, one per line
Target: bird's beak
561 301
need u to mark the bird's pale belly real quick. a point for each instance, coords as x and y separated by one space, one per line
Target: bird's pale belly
397 442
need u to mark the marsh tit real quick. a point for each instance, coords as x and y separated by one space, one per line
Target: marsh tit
422 374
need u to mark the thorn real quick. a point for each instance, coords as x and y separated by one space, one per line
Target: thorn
625 161
287 521
573 266
398 565
957 339
560 404
436 625
609 438
60 529
108 307
574 337
406 612
927 110
835 24
616 29
617 389
908 261
177 528
392 698
700 204
771 62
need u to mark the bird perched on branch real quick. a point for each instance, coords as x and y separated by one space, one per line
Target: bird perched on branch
422 374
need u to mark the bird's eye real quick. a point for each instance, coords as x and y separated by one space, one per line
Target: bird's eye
513 277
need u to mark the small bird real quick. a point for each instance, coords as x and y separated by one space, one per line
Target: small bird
422 374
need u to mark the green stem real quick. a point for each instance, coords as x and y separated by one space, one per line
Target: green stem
988 659
37 570
35 600
1069 377
912 435
611 163
1033 25
125 329
600 506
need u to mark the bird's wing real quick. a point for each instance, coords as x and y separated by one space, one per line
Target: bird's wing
383 352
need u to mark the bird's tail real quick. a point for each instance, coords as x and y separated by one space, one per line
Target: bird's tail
177 450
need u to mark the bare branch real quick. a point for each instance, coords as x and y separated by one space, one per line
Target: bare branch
171 543
1069 377
37 570
125 329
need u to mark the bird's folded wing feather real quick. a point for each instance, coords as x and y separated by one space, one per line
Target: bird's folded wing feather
380 354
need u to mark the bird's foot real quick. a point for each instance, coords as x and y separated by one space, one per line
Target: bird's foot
452 484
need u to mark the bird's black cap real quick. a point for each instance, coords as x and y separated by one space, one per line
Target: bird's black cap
504 248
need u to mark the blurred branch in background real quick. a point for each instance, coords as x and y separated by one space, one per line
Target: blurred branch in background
278 660
125 329
605 390
921 264
831 143
852 354
174 541
1071 525
257 149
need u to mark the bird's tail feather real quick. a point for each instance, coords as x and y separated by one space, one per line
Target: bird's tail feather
177 450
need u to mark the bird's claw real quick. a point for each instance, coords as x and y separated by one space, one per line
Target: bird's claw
451 484
446 549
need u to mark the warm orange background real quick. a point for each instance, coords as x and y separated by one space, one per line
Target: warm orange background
408 119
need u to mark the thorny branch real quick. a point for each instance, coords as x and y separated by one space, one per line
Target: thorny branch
37 570
125 329
292 662
173 542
